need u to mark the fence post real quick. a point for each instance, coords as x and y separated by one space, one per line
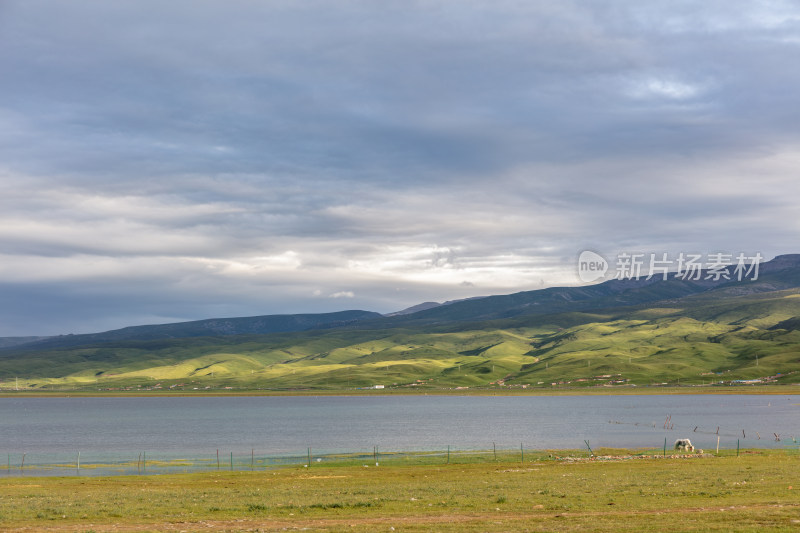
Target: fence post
448 454
665 446
494 447
309 457
737 447
521 453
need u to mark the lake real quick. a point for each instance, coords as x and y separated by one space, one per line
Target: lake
275 425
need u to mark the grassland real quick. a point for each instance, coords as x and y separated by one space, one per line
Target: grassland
756 491
693 341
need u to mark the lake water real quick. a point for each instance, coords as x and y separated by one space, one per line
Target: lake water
192 427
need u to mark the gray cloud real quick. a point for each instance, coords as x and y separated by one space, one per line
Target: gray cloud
191 159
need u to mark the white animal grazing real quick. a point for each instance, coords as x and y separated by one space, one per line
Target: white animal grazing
684 445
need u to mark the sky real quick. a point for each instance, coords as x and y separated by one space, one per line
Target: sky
170 161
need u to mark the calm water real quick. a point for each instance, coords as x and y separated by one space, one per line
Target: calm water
276 425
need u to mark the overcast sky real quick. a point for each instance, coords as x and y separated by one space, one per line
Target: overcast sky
168 161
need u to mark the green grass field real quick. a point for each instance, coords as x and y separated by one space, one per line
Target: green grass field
757 491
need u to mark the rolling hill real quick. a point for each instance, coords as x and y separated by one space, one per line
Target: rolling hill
204 328
617 333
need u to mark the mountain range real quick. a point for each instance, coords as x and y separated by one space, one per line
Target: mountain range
255 325
625 331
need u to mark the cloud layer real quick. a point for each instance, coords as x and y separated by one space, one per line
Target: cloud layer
192 159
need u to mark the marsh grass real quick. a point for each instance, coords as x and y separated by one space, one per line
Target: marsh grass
553 491
38 465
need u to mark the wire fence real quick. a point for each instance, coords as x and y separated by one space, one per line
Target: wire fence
153 462
728 433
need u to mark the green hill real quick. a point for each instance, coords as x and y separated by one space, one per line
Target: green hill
610 334
203 328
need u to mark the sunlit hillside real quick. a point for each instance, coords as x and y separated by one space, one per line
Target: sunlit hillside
697 340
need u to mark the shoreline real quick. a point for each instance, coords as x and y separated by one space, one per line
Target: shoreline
199 465
773 390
